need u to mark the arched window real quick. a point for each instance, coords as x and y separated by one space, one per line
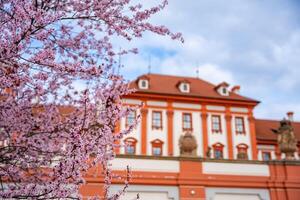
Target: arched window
242 151
218 150
130 145
157 147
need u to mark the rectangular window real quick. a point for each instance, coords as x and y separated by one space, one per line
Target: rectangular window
216 123
218 150
157 151
130 149
130 144
157 147
156 120
242 151
218 154
239 125
266 155
130 119
187 121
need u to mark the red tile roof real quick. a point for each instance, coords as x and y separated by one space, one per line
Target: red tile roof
166 84
264 132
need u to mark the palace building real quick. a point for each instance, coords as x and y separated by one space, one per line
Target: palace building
197 140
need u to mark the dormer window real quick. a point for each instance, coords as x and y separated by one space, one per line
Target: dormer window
143 84
184 86
222 89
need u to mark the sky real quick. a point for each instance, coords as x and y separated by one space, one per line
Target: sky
251 43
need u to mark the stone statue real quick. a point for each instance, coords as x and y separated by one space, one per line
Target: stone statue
208 152
188 145
286 139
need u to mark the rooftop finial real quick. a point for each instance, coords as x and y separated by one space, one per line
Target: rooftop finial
197 70
149 64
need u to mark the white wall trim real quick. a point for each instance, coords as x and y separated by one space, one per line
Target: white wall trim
186 105
146 165
262 194
242 169
217 108
238 109
157 103
172 191
132 101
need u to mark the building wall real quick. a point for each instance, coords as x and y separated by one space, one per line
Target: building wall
241 138
195 179
178 129
236 194
160 134
136 133
196 109
214 138
146 192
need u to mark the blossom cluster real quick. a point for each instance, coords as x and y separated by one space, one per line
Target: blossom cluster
52 133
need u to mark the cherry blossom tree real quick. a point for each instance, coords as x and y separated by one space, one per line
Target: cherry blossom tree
52 132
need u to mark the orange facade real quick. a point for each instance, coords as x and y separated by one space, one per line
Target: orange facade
210 173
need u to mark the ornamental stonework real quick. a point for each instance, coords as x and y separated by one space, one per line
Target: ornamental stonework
286 139
188 145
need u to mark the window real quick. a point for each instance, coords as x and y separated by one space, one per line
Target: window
216 123
187 121
184 86
242 151
130 118
143 84
224 91
157 147
130 145
239 125
218 150
157 151
156 120
266 155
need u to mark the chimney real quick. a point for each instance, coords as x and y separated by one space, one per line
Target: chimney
236 89
290 116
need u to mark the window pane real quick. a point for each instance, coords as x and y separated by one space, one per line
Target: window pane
187 121
218 154
130 118
266 156
130 149
156 151
239 125
156 120
216 123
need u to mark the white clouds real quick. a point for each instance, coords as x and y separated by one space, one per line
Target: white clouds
215 74
277 110
252 43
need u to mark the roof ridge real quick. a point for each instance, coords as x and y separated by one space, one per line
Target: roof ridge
275 120
209 89
179 76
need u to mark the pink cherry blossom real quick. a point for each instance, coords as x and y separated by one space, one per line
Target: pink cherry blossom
52 133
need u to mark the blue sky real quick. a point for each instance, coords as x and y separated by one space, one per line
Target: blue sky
252 43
